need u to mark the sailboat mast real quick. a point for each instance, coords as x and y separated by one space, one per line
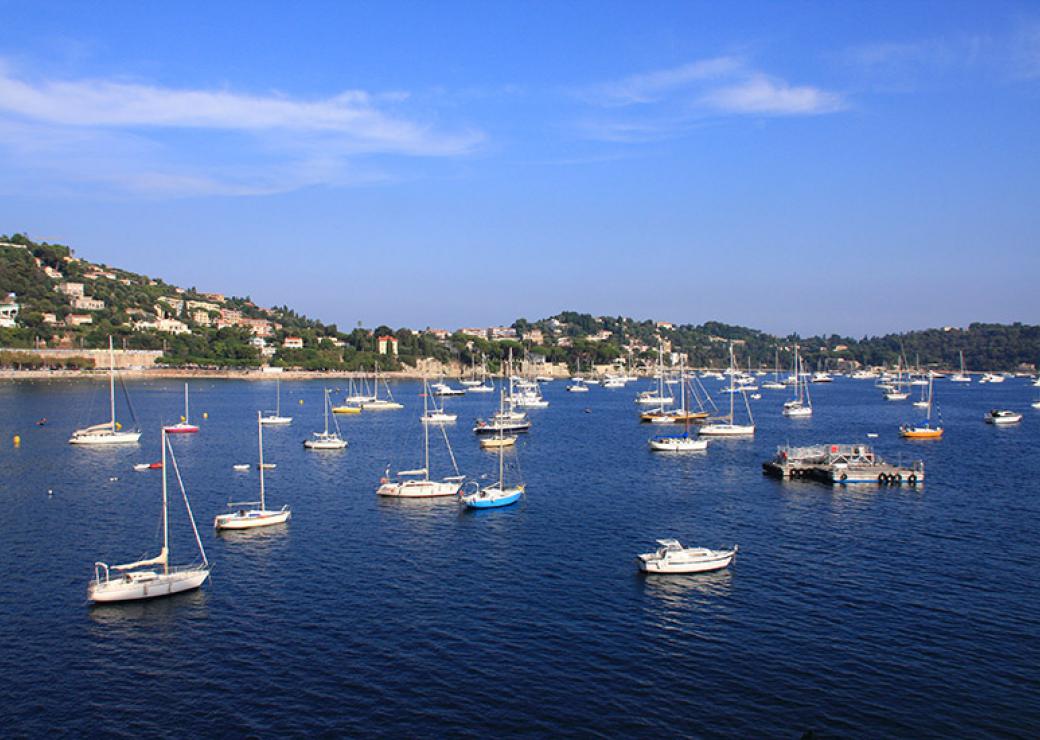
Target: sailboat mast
732 384
185 403
426 428
112 382
277 398
260 444
326 411
165 513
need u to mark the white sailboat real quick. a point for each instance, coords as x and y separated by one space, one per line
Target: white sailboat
377 403
246 518
183 426
895 391
801 404
775 384
141 579
417 483
961 377
727 426
109 432
326 440
680 442
276 418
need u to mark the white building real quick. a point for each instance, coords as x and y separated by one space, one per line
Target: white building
85 303
71 289
8 311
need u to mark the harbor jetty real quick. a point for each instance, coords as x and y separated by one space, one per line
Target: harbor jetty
841 464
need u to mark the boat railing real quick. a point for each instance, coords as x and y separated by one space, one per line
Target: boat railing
98 567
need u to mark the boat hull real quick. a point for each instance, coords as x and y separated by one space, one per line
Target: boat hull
181 429
419 489
493 498
678 444
108 592
276 421
663 567
251 519
727 430
346 409
98 440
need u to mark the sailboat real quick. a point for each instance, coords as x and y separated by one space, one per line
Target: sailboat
679 442
351 404
380 404
497 494
961 377
926 430
726 426
895 391
326 440
250 518
139 580
183 426
578 384
109 432
775 384
417 483
436 415
276 419
801 404
659 415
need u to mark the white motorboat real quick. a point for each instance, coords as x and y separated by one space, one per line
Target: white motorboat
1002 416
326 440
241 468
153 577
443 389
275 418
109 432
249 518
672 558
991 378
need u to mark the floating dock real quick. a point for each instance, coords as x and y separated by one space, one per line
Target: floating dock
839 464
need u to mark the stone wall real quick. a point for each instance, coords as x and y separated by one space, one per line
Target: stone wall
124 359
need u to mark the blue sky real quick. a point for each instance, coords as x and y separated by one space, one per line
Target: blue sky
813 167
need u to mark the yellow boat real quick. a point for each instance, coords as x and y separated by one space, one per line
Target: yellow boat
346 409
925 432
493 443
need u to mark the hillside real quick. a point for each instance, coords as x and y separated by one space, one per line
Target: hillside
61 300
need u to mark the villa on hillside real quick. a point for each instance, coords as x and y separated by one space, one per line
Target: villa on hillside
9 311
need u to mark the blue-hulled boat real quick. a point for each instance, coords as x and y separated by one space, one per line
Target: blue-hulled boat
497 494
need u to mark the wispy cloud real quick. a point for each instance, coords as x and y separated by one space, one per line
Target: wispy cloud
308 141
762 95
669 102
652 86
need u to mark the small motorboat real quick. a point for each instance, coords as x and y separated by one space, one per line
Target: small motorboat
672 557
241 468
1003 416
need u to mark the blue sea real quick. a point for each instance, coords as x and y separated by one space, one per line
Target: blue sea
908 612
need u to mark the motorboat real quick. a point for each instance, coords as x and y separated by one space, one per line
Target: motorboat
443 389
1002 416
672 558
493 443
991 378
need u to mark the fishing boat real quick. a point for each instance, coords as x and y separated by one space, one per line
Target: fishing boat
183 426
153 577
801 405
726 426
498 494
672 558
275 418
247 518
380 404
927 430
1002 417
110 432
326 440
